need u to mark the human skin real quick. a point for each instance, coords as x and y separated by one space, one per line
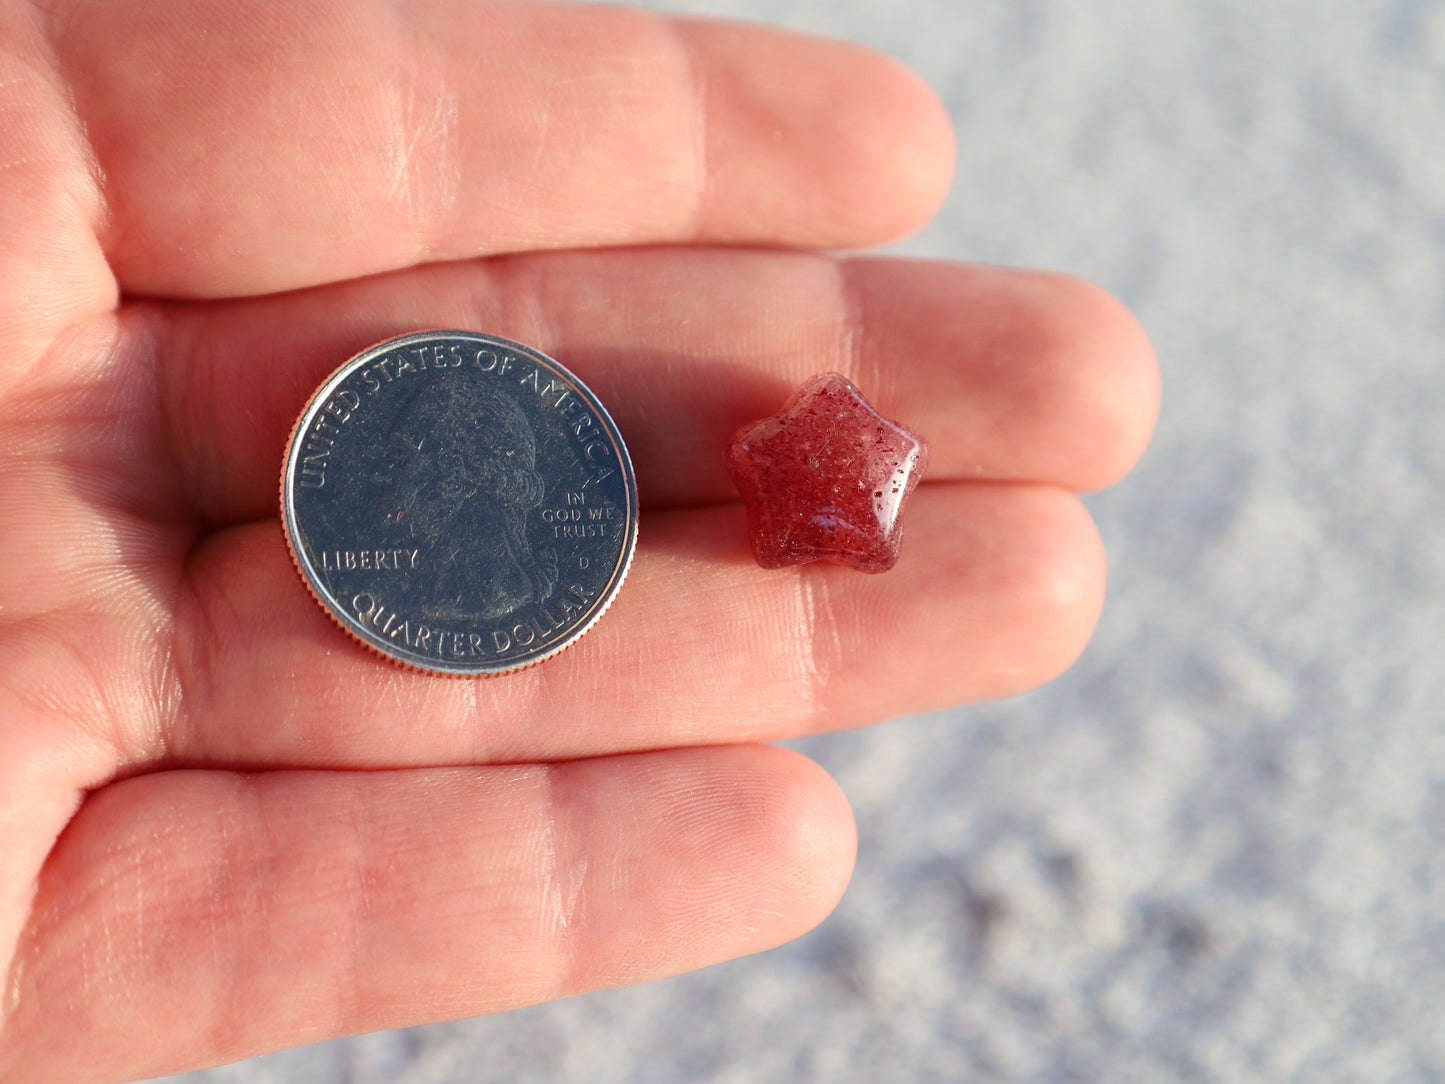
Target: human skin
228 829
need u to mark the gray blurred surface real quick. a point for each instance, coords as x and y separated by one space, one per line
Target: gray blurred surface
1215 851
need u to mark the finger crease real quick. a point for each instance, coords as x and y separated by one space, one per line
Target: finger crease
697 140
821 638
564 879
850 353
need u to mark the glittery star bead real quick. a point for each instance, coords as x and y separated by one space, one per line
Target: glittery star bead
825 479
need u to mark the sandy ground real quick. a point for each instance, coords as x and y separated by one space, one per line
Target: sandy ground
1214 851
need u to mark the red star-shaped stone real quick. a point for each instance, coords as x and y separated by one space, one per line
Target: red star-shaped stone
825 479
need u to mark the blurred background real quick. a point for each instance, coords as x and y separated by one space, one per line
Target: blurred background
1215 850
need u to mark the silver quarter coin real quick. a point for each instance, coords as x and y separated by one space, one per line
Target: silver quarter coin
459 502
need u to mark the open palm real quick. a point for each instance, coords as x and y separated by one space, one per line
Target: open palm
224 827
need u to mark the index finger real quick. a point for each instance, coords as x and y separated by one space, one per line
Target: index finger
253 147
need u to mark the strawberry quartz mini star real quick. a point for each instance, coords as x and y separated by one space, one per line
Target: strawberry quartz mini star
826 479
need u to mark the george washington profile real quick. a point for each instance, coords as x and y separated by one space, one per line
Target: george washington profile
460 482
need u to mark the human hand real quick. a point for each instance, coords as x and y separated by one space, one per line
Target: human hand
226 827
